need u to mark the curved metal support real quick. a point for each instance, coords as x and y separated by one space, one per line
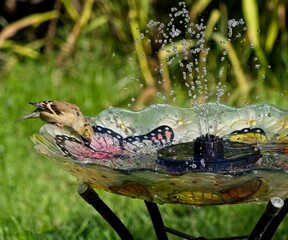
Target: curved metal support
265 228
156 220
91 197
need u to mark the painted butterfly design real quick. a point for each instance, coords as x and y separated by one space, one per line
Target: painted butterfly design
106 144
248 135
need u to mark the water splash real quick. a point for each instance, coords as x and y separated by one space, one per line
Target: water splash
183 50
184 45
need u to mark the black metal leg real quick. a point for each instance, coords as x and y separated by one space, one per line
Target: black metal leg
271 211
91 197
265 228
276 221
157 221
161 230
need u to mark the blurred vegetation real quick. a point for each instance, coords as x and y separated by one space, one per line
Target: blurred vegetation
92 53
257 53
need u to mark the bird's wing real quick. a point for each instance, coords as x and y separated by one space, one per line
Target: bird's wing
65 107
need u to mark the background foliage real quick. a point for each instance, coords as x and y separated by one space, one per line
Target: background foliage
91 53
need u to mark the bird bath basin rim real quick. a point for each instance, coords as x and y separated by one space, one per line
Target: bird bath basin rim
141 134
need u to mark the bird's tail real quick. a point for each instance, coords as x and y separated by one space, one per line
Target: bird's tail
30 115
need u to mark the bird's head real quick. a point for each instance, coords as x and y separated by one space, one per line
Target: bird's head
87 132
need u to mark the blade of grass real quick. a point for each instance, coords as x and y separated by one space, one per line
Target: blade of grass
243 84
273 29
33 19
70 9
22 50
114 12
52 29
74 34
222 26
212 21
143 12
250 12
198 8
135 29
95 23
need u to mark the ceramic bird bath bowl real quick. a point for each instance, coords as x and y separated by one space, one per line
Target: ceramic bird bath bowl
209 154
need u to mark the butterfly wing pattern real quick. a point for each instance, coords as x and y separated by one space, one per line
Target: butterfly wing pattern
106 144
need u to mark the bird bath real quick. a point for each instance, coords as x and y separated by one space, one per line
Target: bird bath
150 154
209 154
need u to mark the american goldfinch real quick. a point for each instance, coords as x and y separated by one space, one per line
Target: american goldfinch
62 114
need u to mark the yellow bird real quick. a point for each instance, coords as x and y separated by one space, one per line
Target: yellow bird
62 114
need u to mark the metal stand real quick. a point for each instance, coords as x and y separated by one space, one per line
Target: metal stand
275 212
91 197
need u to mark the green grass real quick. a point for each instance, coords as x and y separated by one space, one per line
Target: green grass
38 200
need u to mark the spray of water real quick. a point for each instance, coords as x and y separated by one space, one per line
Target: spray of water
185 46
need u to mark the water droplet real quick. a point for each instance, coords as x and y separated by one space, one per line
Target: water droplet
151 24
202 161
193 165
